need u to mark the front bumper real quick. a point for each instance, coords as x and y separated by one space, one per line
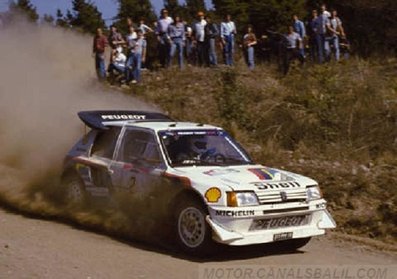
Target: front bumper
233 226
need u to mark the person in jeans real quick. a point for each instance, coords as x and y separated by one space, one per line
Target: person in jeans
164 43
299 27
249 41
320 33
199 38
228 31
137 56
335 29
211 31
100 44
311 31
176 34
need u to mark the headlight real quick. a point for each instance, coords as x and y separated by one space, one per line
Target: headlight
235 199
313 193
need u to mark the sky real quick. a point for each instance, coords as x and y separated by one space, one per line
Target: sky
108 8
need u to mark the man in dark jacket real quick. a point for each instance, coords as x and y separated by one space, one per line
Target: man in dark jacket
211 34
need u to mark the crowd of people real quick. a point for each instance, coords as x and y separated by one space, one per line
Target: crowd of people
198 43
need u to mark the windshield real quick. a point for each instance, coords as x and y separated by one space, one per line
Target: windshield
202 147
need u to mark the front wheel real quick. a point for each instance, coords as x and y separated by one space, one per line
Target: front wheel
194 236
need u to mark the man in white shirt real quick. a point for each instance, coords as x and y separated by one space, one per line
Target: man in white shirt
199 37
117 64
228 31
164 43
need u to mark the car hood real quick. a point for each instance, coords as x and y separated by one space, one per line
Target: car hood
247 177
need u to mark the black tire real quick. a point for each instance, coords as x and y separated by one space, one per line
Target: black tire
74 192
193 234
293 244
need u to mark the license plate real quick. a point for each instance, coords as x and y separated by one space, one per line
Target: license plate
282 236
280 222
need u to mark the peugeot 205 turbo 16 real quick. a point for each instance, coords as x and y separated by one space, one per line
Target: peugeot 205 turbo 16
213 191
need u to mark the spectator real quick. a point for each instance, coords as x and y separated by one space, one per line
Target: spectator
145 29
324 11
115 39
250 41
211 31
199 37
138 55
130 23
312 29
228 31
176 33
131 35
117 64
320 31
190 48
99 47
299 28
294 43
164 43
335 29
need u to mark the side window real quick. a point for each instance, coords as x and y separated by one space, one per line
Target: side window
105 143
139 146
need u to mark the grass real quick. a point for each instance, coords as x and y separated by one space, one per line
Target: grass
336 123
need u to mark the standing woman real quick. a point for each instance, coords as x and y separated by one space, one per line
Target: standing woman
250 41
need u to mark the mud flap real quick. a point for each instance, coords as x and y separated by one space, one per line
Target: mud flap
223 234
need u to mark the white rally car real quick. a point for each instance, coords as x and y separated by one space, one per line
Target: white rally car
199 178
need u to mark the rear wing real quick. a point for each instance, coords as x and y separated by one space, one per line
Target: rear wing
98 119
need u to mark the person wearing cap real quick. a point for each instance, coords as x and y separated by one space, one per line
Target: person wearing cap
176 33
164 43
199 38
228 31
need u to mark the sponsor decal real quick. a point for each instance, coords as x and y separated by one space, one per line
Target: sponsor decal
239 213
220 172
123 117
280 185
264 173
213 194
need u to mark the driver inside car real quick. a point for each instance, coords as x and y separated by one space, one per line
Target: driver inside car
195 148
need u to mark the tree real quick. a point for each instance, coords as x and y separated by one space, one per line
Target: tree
263 15
85 16
195 6
135 9
174 8
61 20
25 7
49 19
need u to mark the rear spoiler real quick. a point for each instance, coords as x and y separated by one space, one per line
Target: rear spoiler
99 118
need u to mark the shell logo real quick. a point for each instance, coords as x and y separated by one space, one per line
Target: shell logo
213 194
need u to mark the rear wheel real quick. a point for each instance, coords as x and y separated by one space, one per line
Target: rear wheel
194 236
74 190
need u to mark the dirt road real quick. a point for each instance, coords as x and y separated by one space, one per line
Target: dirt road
34 248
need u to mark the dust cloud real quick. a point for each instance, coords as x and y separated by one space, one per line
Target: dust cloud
47 75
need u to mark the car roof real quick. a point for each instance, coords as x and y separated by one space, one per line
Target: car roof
163 125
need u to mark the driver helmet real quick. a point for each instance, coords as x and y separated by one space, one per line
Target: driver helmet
198 145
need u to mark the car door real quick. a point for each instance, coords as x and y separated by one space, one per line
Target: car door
138 164
97 165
